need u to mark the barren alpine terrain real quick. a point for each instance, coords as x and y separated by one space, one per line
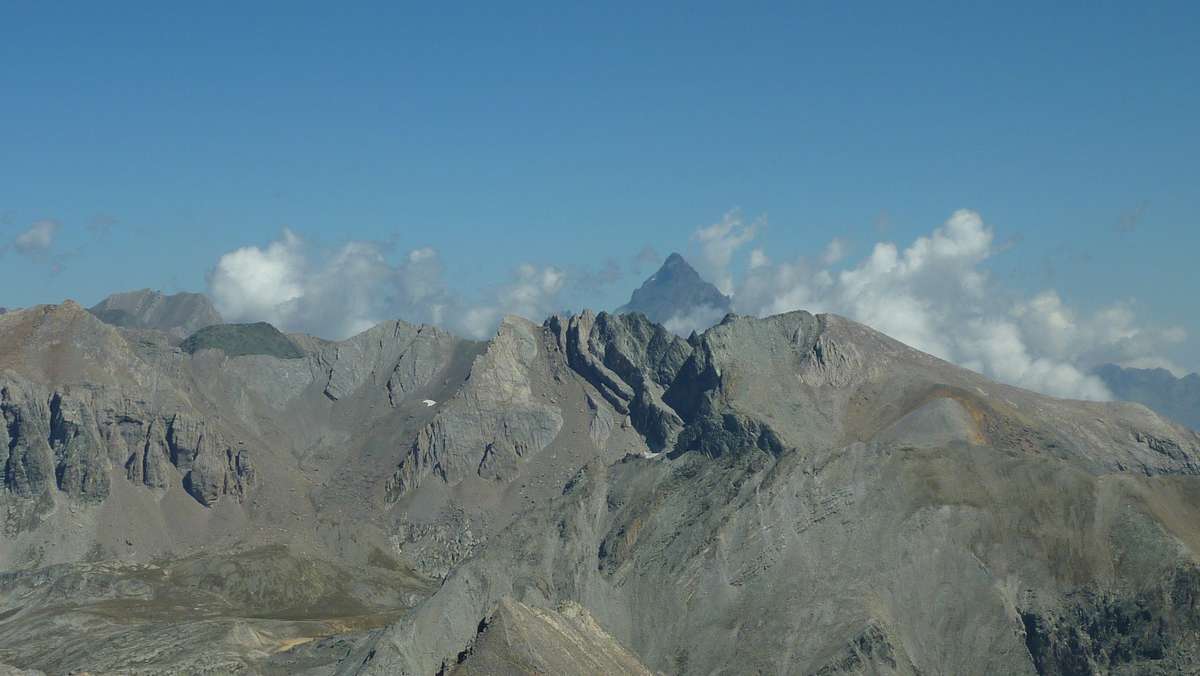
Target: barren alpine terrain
593 494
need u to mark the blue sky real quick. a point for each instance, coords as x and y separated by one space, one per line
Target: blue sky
161 138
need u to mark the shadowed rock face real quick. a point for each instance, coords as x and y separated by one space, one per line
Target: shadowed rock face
794 494
675 290
1159 389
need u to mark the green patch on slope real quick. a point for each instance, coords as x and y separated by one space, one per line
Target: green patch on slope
236 340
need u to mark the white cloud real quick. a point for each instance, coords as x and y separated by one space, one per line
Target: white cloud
718 243
533 293
758 259
258 284
332 294
421 255
834 251
37 239
696 319
348 289
936 295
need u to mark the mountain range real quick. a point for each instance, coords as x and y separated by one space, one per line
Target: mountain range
1175 397
591 494
677 291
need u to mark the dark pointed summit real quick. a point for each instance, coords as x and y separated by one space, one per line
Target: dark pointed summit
676 289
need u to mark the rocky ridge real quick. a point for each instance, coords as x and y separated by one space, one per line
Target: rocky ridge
179 314
768 495
1159 389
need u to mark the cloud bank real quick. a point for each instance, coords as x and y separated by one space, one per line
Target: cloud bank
339 292
718 243
936 295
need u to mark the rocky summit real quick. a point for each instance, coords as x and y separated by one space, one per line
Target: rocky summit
179 314
676 290
798 494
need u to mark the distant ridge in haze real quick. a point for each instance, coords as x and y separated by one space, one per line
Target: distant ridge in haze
676 290
1159 389
180 314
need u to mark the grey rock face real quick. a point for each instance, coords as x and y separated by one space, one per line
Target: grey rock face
81 406
676 289
211 466
828 487
403 356
81 463
795 494
28 460
495 420
1158 389
50 445
56 440
179 314
519 639
630 361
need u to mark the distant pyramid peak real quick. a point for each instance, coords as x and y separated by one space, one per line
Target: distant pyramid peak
675 289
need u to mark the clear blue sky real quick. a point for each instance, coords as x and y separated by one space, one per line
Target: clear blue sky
161 136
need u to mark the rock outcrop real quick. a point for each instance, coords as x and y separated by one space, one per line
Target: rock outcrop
496 420
398 355
60 440
630 361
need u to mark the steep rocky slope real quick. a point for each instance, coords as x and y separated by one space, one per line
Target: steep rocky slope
834 502
518 639
796 494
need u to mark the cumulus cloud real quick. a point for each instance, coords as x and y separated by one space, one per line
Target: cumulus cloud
936 295
834 251
532 293
339 292
758 259
719 242
35 241
253 283
695 319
